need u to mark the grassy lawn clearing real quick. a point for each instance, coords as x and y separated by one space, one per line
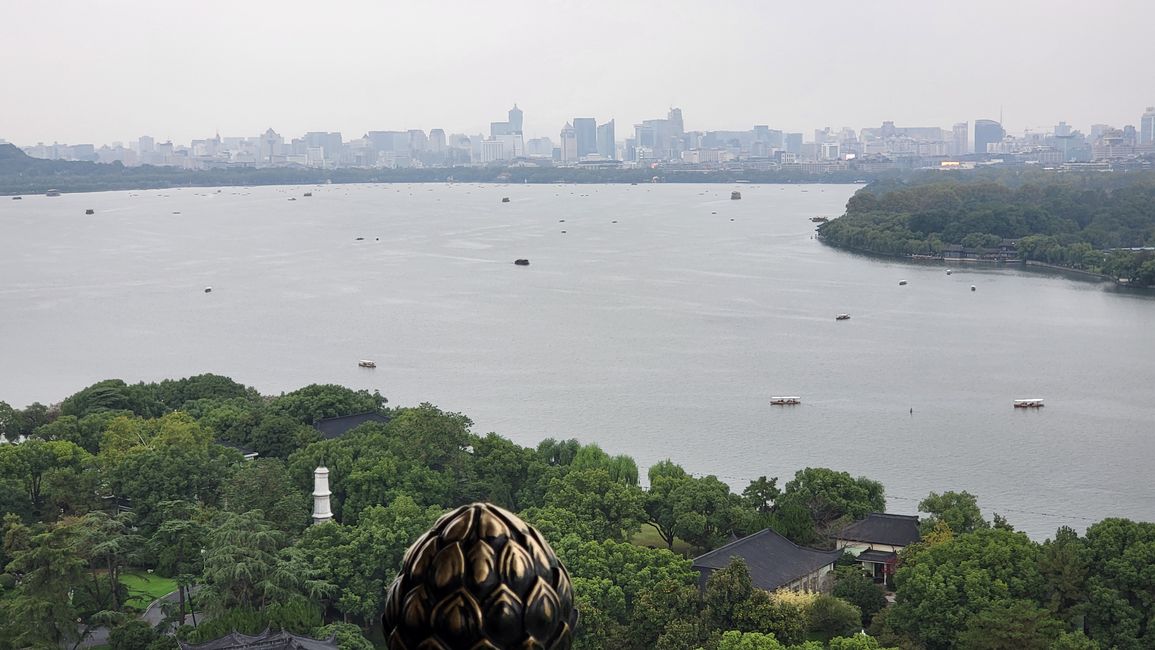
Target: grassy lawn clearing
144 587
648 536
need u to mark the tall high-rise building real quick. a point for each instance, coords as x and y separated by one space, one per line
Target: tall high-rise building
437 140
674 117
145 144
1062 130
987 132
1147 127
586 131
794 143
569 150
606 145
961 133
515 119
418 141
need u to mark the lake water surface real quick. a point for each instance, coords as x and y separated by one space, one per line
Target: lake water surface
656 320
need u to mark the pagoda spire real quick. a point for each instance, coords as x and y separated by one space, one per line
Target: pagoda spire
321 493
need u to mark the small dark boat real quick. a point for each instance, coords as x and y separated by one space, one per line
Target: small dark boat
521 262
17 198
308 194
734 196
505 199
842 317
208 289
52 193
90 211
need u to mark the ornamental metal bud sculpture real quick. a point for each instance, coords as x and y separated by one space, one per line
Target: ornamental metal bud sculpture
480 579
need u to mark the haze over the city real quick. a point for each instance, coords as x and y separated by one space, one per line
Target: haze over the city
104 71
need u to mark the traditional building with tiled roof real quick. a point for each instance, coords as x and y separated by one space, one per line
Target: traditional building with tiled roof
876 540
331 428
774 562
264 641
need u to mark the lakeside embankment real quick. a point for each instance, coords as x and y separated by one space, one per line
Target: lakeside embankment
1033 264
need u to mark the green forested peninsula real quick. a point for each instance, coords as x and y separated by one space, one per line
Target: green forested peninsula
1079 221
124 492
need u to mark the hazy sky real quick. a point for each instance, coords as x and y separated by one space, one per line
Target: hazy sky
105 70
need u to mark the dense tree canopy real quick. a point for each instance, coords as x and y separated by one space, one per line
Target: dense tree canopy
133 477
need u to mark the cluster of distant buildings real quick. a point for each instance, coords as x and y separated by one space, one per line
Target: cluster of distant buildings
662 142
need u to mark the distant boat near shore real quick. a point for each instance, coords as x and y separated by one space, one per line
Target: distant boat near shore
842 317
366 363
1030 403
786 400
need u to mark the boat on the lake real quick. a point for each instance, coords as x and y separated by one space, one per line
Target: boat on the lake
735 195
1030 403
842 317
972 287
819 219
902 283
365 363
52 193
308 194
90 211
948 271
785 401
505 199
522 261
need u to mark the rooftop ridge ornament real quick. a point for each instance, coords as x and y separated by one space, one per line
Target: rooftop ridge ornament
480 579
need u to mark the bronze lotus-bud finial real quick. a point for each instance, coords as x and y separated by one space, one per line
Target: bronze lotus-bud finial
480 579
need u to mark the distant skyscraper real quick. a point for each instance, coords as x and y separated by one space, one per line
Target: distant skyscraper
1062 130
677 128
987 132
418 140
794 143
515 119
1147 127
606 146
569 151
961 133
586 131
437 140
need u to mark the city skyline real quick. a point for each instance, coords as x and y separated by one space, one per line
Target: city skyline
103 72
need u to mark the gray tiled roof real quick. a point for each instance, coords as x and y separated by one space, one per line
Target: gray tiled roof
264 641
336 427
883 528
773 560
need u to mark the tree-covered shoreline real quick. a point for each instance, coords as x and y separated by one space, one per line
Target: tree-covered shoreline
21 174
1099 223
146 479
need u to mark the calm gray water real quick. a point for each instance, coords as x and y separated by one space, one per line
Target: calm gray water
660 335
